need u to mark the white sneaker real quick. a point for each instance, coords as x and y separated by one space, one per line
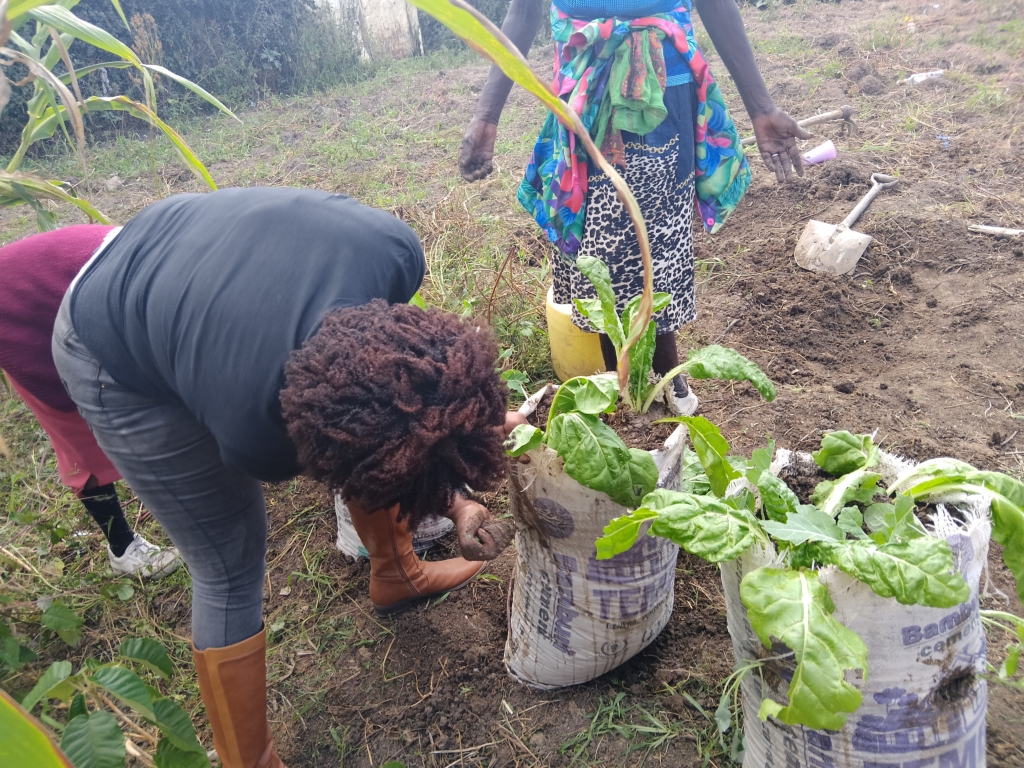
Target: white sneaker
681 405
145 560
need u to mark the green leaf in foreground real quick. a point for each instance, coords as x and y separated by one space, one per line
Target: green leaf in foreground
794 607
920 571
169 756
94 741
851 521
65 622
127 686
56 674
525 437
807 523
843 452
703 525
175 724
711 449
150 653
621 533
594 455
717 362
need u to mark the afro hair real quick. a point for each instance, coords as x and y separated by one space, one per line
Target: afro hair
395 404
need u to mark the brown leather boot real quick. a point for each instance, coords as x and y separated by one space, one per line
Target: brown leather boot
397 577
233 684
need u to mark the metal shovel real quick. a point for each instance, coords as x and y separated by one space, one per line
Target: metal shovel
837 248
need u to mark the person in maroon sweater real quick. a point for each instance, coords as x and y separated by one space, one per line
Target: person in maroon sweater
36 273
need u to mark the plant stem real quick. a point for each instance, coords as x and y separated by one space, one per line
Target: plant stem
681 368
18 157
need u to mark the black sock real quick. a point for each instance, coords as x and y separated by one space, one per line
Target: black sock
105 508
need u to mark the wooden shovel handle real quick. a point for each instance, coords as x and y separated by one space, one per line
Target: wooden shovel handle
843 113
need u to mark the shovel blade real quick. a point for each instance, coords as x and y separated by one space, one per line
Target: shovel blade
827 248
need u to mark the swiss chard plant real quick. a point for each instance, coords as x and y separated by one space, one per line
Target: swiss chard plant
712 362
593 454
867 531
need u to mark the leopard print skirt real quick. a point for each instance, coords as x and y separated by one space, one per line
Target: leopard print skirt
659 170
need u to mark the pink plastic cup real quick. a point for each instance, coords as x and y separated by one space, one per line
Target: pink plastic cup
820 153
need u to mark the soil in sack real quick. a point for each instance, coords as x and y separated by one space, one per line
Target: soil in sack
924 701
572 617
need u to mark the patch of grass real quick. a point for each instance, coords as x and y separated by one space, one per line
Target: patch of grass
632 723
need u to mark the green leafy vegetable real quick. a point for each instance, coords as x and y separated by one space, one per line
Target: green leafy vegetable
793 606
127 686
707 527
621 533
55 674
851 521
148 652
596 271
843 452
711 448
760 461
777 499
920 571
716 362
859 485
525 437
807 523
587 394
594 456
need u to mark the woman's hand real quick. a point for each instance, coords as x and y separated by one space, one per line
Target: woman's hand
776 134
514 419
481 537
476 153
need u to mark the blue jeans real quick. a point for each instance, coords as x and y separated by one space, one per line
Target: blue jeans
215 515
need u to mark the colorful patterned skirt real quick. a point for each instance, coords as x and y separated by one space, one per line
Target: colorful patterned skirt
659 170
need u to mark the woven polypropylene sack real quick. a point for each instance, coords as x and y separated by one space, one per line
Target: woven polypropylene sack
573 617
924 700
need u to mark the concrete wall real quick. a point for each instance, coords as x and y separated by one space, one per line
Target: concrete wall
385 29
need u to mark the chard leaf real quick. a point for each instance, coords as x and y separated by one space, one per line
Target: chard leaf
591 309
851 521
596 271
621 533
643 472
1006 498
594 455
716 362
706 527
777 499
859 485
661 300
587 394
525 437
943 466
794 607
843 452
920 571
693 478
894 522
742 500
641 357
760 461
711 448
807 523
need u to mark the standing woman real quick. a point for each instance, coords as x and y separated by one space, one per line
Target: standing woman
633 71
249 335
